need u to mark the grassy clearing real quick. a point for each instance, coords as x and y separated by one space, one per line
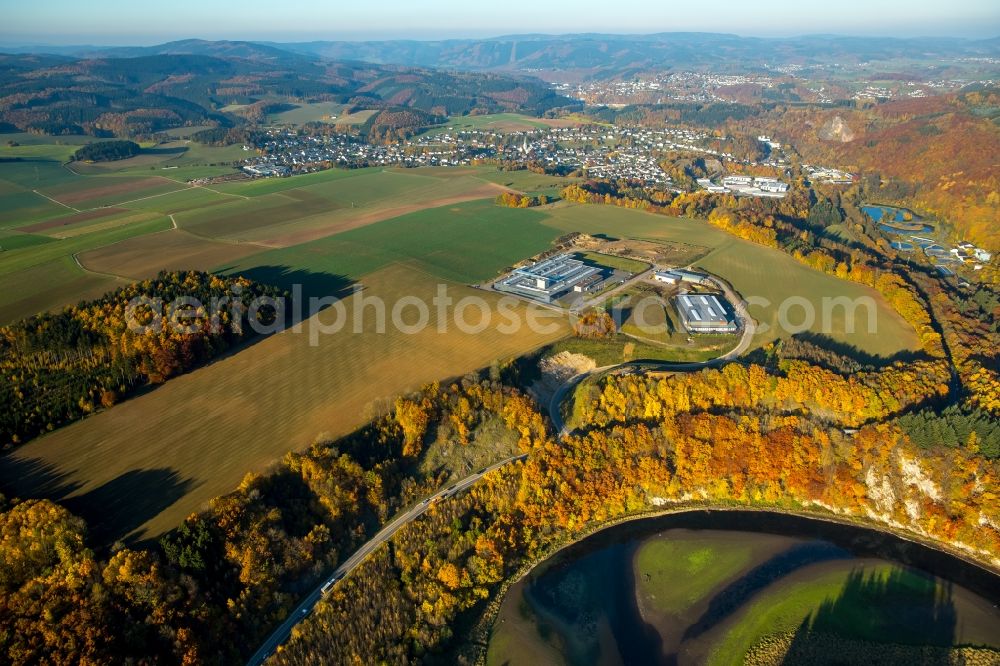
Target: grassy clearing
755 271
179 160
673 574
622 349
525 181
185 132
316 112
618 263
279 394
500 122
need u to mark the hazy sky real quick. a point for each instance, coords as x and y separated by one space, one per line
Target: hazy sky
138 22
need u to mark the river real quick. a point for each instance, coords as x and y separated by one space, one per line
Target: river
709 587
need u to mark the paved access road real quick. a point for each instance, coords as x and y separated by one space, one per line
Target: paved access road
746 339
282 633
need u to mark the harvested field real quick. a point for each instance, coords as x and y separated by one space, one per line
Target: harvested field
145 256
279 394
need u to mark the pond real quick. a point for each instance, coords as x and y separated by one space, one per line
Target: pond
732 587
893 220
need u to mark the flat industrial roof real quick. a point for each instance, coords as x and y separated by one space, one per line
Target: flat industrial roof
702 310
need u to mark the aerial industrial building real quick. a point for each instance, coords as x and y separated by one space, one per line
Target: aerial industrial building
546 280
706 313
679 275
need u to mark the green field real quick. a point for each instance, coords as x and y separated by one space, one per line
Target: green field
464 243
505 122
13 240
756 272
315 112
48 286
617 263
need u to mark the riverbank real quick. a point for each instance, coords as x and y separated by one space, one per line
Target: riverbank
889 542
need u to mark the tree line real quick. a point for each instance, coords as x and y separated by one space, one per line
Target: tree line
58 367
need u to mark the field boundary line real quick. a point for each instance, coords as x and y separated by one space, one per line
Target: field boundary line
225 194
173 227
76 258
58 202
151 196
213 239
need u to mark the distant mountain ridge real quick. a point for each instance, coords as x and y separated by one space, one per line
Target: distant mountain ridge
599 53
611 53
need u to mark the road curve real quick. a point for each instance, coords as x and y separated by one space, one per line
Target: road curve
746 339
284 631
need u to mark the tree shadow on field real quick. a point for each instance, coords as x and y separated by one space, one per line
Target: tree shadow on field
115 510
33 478
879 619
834 355
176 150
308 284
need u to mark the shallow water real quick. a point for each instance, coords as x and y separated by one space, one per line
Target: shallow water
662 591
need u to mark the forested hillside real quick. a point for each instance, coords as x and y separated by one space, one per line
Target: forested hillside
759 435
56 368
154 91
938 154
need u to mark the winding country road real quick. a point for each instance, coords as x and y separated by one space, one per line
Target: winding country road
282 633
746 339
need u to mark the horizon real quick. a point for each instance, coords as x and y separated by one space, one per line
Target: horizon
142 43
113 23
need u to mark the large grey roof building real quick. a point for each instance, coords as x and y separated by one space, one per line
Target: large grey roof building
547 279
705 313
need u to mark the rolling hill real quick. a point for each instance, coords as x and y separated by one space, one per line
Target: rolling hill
142 90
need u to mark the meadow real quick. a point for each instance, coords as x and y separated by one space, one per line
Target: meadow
499 122
320 112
